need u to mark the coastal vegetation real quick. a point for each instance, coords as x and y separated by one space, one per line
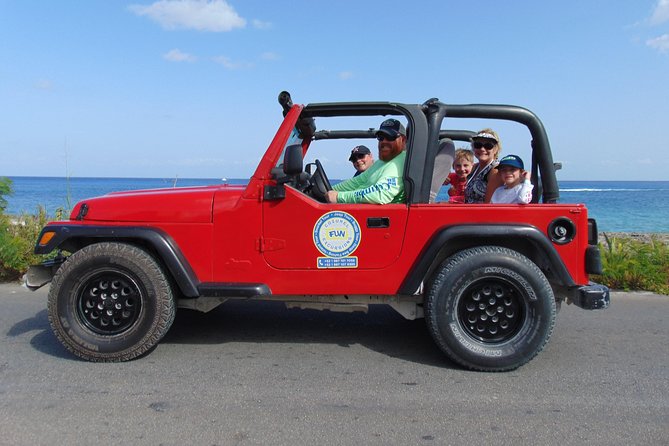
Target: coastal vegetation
17 237
629 264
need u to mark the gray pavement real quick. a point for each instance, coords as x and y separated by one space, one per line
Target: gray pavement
256 373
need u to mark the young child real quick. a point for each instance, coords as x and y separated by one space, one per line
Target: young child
517 187
462 164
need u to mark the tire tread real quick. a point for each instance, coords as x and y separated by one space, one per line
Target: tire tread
439 280
166 305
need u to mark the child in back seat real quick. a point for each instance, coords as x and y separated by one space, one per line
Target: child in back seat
462 164
517 187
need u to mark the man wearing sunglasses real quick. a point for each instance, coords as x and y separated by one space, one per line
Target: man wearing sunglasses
362 159
383 182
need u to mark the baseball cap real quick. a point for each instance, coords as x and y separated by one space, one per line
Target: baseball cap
511 160
359 150
485 135
392 127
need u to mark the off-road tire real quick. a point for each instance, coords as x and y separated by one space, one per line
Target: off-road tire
490 308
110 302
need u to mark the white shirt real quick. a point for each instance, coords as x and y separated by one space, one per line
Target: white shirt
520 193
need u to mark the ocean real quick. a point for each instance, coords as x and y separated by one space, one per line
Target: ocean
618 206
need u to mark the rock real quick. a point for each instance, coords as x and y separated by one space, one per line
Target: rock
643 237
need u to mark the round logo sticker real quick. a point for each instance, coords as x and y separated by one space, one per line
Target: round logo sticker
337 234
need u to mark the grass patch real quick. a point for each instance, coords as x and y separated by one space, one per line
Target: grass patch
18 235
17 242
634 265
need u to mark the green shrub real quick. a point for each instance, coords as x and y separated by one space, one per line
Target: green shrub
635 265
5 189
17 241
18 235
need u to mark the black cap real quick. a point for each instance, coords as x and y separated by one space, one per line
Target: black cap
511 160
392 127
359 150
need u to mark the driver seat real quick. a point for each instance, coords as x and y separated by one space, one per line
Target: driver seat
443 163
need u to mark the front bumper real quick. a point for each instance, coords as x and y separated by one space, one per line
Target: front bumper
590 297
39 275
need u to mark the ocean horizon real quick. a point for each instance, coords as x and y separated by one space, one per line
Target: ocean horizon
618 206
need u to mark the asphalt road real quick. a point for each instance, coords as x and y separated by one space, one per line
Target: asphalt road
257 373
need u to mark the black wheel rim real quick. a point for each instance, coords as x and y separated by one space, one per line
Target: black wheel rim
109 302
492 310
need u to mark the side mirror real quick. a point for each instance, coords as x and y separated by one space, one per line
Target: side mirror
292 160
292 173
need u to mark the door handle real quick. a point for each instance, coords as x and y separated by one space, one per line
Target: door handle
378 222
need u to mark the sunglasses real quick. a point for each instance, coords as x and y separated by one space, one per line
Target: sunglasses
358 157
483 145
382 136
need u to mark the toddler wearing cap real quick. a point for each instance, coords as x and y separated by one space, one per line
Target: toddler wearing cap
517 187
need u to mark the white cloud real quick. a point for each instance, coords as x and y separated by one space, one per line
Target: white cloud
312 71
201 15
176 55
661 13
43 84
345 75
269 56
259 24
230 64
659 43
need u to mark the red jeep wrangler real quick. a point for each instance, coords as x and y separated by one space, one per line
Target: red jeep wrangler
488 278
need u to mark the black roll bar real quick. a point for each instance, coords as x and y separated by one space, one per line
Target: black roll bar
541 151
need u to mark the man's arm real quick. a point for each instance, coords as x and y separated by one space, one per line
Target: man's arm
353 183
347 185
383 191
380 185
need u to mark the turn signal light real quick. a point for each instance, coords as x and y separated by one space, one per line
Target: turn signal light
46 238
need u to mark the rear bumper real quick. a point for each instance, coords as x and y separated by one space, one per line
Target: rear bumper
590 297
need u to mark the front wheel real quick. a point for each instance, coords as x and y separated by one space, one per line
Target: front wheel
490 308
110 302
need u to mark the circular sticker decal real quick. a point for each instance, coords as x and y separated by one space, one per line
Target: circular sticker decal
337 234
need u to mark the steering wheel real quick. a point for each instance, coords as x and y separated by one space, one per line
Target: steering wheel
319 184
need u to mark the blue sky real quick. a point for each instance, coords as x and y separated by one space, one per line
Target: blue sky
188 88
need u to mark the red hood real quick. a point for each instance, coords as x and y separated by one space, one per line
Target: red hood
176 205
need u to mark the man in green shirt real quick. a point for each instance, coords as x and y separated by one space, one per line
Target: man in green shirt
383 182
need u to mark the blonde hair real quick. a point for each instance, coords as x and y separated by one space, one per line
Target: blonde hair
499 141
465 154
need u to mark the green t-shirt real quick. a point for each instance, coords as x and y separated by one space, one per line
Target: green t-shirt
382 183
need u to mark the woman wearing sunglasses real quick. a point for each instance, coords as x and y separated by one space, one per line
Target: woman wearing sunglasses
484 178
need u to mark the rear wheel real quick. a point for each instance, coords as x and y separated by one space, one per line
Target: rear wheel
110 302
490 308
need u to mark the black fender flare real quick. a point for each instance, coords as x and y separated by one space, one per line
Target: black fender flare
526 239
74 237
